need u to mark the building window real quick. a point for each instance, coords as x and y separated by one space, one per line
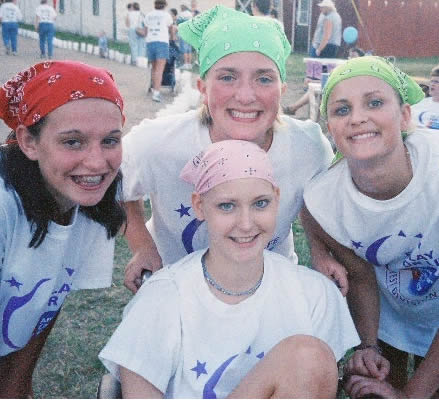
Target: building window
95 7
303 12
61 7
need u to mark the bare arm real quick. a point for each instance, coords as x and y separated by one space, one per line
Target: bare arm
142 246
321 259
136 387
327 31
37 22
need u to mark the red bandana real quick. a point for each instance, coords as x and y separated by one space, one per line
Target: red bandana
35 92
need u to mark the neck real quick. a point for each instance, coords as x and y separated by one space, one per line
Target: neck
383 178
233 276
264 144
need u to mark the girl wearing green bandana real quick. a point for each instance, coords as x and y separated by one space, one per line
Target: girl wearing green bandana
242 78
375 209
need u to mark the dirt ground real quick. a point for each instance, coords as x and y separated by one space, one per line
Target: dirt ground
132 81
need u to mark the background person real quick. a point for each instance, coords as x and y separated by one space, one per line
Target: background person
10 15
158 24
425 114
59 213
241 87
45 16
386 186
261 8
327 36
296 322
133 20
185 48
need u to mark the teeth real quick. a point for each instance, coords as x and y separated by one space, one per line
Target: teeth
238 114
364 136
89 180
244 239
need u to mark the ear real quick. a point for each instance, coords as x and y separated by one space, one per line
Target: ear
201 86
197 206
27 142
406 117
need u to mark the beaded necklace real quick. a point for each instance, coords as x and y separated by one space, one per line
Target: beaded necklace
212 282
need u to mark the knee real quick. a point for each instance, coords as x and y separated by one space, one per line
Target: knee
313 360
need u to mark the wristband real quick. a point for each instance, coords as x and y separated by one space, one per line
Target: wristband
364 346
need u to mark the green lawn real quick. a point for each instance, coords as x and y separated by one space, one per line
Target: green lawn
68 367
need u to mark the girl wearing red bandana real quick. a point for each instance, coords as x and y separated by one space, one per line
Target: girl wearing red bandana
59 213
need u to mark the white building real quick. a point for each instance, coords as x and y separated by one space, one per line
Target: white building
90 17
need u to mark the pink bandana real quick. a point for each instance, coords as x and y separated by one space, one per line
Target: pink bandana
35 92
225 161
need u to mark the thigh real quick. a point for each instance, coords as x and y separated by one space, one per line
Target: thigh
330 51
151 51
398 364
16 368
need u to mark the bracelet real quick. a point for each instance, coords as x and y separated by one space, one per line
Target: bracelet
364 346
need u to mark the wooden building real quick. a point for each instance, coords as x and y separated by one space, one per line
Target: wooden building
401 28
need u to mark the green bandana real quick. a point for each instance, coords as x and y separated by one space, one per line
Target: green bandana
378 67
221 31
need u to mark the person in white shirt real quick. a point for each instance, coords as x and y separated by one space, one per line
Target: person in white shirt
233 319
59 208
134 21
376 209
158 25
10 16
425 114
45 16
242 69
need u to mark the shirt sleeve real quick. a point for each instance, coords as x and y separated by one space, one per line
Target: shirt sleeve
148 340
331 319
136 159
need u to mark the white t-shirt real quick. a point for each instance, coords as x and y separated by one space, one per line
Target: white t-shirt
46 13
400 237
155 151
189 344
35 282
9 12
135 18
425 115
158 23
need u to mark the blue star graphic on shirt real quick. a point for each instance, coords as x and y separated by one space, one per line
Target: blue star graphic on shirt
200 368
183 210
14 282
357 245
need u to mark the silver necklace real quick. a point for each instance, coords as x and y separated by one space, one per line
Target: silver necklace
212 282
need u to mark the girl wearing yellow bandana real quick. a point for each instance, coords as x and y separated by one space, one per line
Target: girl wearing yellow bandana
376 210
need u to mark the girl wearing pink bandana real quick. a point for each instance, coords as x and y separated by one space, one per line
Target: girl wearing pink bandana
59 213
233 320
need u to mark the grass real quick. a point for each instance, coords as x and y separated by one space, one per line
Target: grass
68 366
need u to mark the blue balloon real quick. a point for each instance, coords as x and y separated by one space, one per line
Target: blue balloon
350 34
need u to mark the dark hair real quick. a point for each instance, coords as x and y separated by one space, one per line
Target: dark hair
24 176
160 4
136 6
129 6
173 11
263 6
274 13
435 71
357 50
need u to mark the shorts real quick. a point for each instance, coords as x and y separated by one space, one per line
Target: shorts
185 47
157 50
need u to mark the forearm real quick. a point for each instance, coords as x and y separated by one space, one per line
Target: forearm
425 381
138 237
327 31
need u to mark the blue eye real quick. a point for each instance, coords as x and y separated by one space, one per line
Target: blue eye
227 78
262 203
375 103
226 206
265 79
341 111
111 141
